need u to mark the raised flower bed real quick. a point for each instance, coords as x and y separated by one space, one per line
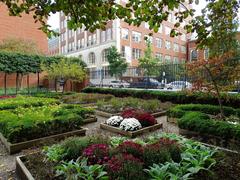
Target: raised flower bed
131 123
22 128
155 157
116 105
204 123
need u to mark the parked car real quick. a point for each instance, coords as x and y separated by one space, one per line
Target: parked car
118 84
147 83
179 85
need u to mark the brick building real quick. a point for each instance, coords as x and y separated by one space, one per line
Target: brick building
21 27
129 40
195 54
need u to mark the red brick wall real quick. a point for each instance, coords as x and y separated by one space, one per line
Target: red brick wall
21 27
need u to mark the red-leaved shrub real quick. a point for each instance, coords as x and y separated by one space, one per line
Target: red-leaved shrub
125 166
97 154
144 118
6 97
163 150
129 147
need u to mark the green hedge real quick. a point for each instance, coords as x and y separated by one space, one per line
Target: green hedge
180 110
200 122
25 102
174 97
22 124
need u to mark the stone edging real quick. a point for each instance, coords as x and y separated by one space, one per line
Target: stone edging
128 133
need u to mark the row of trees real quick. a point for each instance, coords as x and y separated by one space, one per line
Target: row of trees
22 58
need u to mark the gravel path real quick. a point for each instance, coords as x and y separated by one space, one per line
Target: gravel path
7 162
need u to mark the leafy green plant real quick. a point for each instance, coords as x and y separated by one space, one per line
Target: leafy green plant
54 153
22 124
174 97
80 170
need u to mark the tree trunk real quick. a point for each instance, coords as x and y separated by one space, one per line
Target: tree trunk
28 83
218 93
71 83
5 83
38 81
55 83
17 82
63 87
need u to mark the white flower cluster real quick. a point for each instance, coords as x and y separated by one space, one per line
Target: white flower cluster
130 124
114 121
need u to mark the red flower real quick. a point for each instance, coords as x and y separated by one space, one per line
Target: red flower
144 118
97 154
129 147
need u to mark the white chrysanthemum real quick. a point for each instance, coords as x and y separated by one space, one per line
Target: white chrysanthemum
114 121
130 124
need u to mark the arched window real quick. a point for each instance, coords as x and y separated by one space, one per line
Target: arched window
91 58
194 55
104 55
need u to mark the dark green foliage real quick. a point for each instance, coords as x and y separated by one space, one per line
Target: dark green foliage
179 110
25 102
174 97
199 122
22 124
22 63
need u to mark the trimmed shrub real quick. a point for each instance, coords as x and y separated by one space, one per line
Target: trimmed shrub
200 122
174 97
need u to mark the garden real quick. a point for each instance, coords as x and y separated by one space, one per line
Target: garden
207 146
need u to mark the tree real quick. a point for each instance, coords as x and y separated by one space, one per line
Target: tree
65 70
19 46
117 64
149 63
218 26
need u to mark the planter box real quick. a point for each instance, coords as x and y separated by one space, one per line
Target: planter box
90 120
131 134
16 147
108 115
188 133
21 170
172 120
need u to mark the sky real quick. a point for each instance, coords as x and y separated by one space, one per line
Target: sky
54 18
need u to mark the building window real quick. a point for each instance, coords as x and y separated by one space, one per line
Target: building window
159 56
124 34
136 36
109 34
94 39
104 55
167 30
106 72
159 42
206 54
167 59
176 60
176 47
89 43
103 36
136 53
168 45
123 51
183 49
91 58
194 55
